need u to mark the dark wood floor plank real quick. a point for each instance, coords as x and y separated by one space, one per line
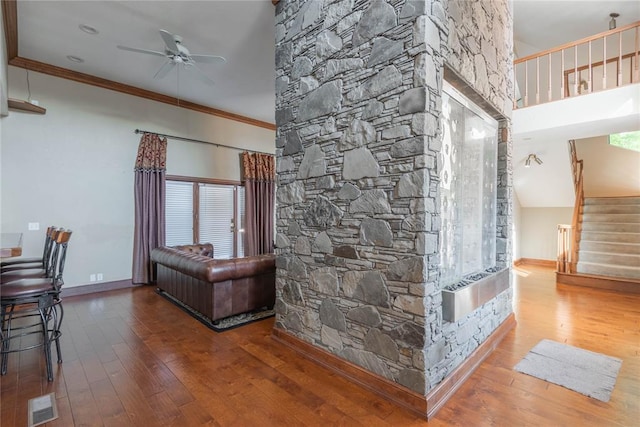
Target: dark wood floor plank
132 397
165 410
220 409
65 414
137 370
131 358
93 368
195 415
109 404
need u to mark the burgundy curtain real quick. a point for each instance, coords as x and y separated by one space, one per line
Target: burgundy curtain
149 190
259 190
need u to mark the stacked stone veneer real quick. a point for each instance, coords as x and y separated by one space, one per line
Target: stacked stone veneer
358 99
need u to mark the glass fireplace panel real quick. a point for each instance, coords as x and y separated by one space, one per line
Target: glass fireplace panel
468 181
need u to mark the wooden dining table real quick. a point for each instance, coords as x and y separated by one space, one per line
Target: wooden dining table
10 245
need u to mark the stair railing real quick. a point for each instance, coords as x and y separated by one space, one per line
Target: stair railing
576 165
603 61
564 248
569 236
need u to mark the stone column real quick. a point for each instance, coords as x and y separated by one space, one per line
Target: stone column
358 93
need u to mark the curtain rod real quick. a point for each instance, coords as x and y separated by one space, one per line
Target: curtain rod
182 138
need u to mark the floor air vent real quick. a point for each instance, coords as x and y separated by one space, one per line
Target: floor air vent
42 409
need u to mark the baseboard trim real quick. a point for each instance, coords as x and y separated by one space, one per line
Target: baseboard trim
536 262
617 284
437 397
98 287
423 406
389 390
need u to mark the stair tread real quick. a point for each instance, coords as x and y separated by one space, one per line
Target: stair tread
617 266
610 237
621 222
610 253
614 232
611 222
617 205
609 242
631 200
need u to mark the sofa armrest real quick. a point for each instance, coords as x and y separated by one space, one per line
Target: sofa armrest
191 264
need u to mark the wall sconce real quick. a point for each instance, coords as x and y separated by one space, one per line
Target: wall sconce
533 157
612 23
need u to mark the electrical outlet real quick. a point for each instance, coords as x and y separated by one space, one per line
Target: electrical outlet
34 226
99 276
92 278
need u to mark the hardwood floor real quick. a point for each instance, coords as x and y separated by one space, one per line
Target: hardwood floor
132 358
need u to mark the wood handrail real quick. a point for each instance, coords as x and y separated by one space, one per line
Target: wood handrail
577 167
575 232
581 68
577 42
557 55
599 63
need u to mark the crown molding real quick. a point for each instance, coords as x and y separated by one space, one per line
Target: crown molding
52 70
10 19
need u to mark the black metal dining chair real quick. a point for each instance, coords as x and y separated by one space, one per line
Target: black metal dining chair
31 262
46 269
34 307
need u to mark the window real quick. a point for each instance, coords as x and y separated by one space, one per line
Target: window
205 211
468 187
628 140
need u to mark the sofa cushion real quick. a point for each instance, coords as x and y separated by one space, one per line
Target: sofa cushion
204 249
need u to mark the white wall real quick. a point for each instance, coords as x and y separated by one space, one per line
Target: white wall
73 167
549 184
517 221
545 130
609 171
539 231
600 113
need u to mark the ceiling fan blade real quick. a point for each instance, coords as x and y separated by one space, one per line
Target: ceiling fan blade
208 59
147 51
164 70
199 74
169 41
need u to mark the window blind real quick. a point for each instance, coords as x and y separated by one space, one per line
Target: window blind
215 220
179 213
241 222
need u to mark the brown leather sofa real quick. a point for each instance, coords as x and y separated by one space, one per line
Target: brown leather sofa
214 288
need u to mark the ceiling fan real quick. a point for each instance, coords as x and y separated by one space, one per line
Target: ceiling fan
176 53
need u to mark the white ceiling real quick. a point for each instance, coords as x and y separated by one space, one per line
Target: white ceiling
240 31
243 32
540 25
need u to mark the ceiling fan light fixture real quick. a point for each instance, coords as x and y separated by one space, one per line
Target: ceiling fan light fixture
88 29
178 54
612 22
75 59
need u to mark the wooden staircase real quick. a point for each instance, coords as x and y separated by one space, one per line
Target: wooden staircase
610 237
601 247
